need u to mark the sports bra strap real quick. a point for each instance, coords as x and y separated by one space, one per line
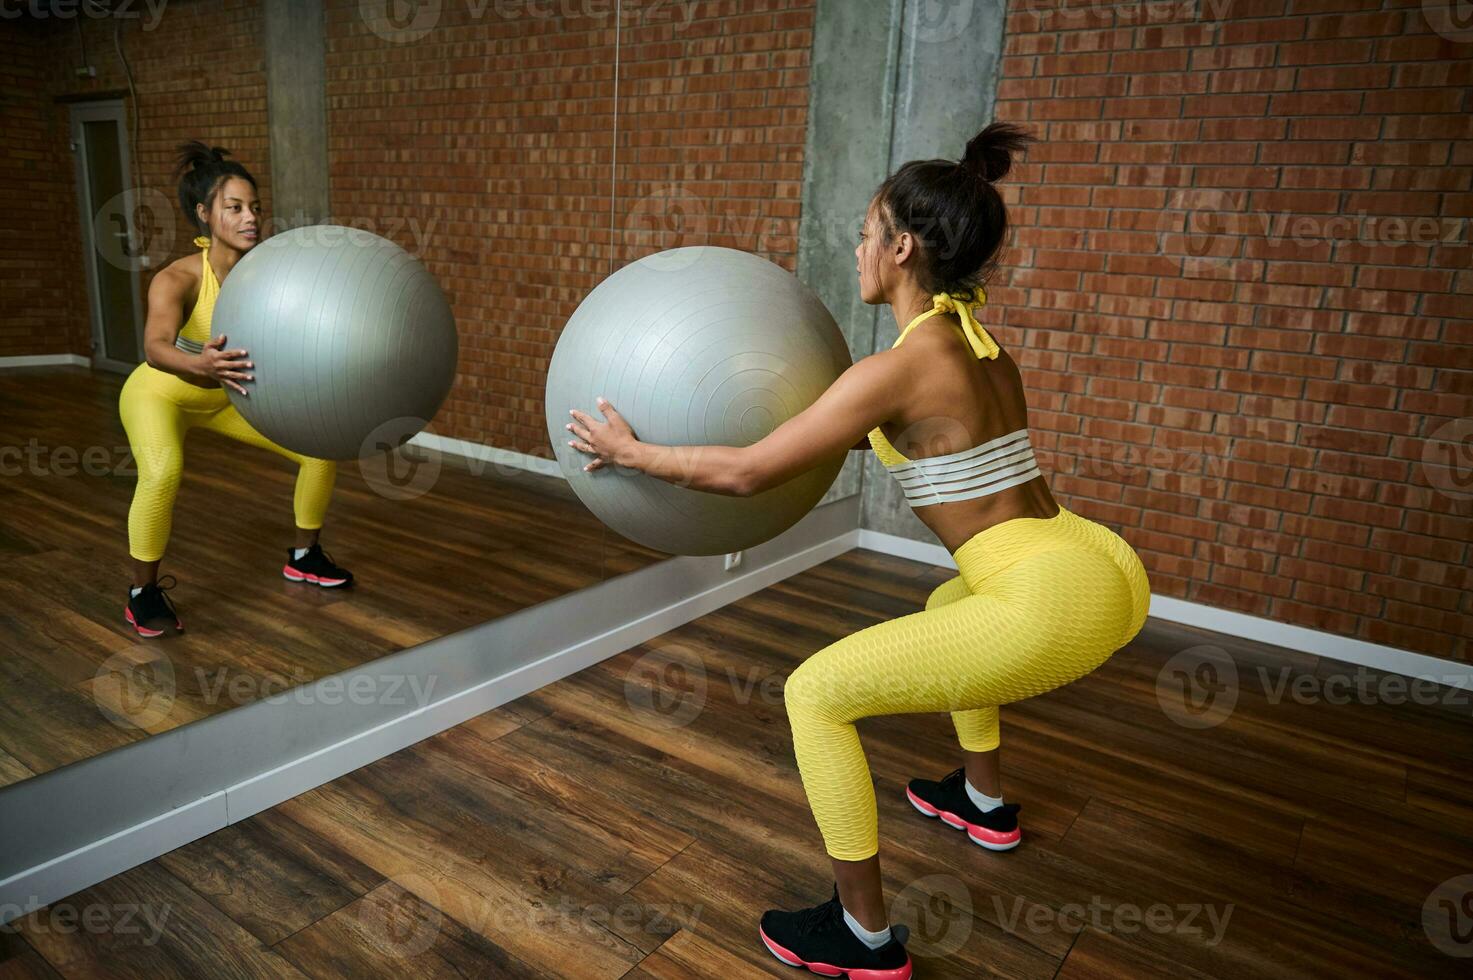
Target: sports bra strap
982 343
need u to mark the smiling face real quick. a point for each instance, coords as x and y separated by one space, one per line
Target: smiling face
234 216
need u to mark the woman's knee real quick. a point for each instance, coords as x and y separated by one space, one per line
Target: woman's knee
159 467
808 692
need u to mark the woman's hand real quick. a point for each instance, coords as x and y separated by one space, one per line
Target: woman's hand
224 365
610 442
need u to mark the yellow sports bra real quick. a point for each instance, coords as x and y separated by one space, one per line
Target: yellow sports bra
196 330
997 464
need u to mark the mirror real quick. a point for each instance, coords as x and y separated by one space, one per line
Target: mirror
489 159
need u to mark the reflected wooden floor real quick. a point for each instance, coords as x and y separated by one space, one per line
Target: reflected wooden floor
634 820
434 549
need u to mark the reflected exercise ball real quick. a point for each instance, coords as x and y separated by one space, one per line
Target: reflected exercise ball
353 342
695 346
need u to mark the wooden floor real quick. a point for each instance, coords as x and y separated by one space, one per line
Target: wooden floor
75 680
635 819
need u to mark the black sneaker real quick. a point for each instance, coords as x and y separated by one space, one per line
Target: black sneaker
316 567
151 605
821 940
996 830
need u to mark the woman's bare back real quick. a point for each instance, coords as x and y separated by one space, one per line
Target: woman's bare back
963 402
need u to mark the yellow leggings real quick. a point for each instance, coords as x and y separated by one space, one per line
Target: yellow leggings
158 409
1038 603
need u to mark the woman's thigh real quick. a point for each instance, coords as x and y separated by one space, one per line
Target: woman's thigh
1049 619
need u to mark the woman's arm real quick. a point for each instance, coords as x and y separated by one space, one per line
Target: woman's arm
166 295
865 395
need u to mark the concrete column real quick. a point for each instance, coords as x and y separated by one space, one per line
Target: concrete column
937 61
295 41
851 103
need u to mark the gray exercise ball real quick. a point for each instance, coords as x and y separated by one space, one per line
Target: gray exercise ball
353 342
695 346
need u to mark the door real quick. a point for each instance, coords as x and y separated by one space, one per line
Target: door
116 217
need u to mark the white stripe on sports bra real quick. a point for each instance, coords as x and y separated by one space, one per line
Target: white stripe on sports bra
997 464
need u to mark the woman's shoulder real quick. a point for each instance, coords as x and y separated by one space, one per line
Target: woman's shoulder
179 279
187 267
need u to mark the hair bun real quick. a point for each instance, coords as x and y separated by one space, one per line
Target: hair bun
196 155
989 154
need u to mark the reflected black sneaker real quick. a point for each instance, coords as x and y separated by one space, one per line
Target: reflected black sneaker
315 566
821 940
996 830
150 606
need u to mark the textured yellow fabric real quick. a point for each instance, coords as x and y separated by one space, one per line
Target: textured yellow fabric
1037 603
980 340
197 327
158 409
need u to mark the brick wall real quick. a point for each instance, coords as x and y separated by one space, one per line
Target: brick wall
482 141
39 264
197 71
1240 293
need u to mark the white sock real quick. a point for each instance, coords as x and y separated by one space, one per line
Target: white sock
981 800
300 552
874 940
134 591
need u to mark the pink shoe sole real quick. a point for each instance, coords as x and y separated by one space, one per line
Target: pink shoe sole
148 631
825 970
291 574
993 840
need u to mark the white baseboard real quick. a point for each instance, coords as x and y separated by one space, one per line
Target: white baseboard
44 360
1450 673
900 547
488 454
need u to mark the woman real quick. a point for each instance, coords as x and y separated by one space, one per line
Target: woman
1043 596
178 387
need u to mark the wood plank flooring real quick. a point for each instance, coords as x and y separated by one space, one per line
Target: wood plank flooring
75 680
634 820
